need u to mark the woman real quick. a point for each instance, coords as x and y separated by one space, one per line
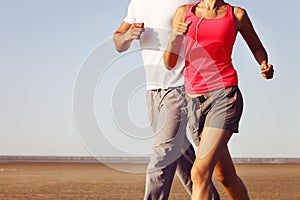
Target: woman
215 101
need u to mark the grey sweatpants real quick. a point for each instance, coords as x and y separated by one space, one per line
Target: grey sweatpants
172 151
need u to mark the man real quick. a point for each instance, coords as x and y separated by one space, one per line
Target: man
150 22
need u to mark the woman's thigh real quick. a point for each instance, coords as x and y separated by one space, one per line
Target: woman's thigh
212 145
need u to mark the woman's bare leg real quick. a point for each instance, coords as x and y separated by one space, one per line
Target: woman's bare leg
226 174
213 144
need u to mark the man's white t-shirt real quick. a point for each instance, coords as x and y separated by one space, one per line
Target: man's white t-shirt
157 16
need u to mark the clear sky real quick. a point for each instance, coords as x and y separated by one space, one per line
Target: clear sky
53 103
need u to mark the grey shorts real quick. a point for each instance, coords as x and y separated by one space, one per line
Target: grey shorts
221 108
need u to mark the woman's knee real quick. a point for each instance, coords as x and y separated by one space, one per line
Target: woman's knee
200 174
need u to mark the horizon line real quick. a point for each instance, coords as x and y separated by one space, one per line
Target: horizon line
133 160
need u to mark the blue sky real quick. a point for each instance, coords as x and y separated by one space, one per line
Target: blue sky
45 45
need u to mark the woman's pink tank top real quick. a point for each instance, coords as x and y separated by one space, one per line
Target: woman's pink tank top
208 50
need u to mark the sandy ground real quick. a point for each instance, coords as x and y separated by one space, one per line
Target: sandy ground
98 181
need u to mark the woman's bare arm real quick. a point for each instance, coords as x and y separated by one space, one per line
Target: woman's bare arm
179 28
245 27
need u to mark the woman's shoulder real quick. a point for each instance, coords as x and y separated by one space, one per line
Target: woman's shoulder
182 10
242 19
239 12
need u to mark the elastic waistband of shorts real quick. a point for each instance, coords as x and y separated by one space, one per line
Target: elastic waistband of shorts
203 97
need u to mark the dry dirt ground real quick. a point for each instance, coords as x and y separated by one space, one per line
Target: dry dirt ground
97 181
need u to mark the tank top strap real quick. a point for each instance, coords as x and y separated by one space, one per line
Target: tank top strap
229 10
190 10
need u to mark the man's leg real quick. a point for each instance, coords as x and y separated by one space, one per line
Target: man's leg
183 171
169 128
